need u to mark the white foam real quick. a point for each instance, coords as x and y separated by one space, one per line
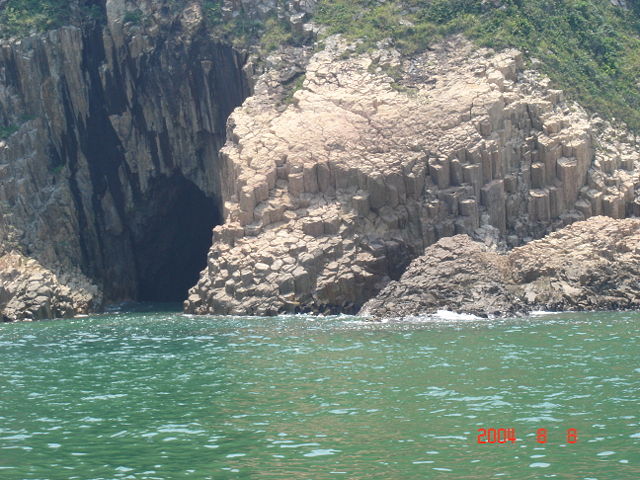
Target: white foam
444 316
540 313
448 315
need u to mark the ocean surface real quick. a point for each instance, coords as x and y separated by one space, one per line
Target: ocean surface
153 395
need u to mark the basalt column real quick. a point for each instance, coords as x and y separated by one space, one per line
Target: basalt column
152 159
112 174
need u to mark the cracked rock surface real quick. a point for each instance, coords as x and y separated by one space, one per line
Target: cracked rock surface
376 157
589 265
108 121
109 180
30 291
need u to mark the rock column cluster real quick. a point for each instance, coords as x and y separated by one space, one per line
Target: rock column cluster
104 118
329 198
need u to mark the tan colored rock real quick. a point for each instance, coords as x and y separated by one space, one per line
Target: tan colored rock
29 291
493 198
539 206
483 148
590 265
538 176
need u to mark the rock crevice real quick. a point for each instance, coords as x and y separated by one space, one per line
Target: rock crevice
113 171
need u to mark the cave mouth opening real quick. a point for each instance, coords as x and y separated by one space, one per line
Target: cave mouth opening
172 234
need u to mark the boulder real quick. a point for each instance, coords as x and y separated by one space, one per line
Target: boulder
589 265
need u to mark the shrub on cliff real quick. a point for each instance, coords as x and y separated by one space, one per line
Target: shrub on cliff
589 48
23 17
19 17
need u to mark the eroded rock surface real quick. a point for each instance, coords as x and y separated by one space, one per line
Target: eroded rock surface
456 274
28 291
377 157
114 175
589 265
112 169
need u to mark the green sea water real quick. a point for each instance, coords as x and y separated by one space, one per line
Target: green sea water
168 396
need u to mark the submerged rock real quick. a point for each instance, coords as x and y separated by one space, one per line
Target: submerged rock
590 265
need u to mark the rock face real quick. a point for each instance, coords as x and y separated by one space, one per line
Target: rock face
330 196
456 274
28 291
590 265
261 9
110 181
119 157
110 177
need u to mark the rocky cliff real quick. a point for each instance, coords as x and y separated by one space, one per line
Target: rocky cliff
331 192
590 265
109 181
120 153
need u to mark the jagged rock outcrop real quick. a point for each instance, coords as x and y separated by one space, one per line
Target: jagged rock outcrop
109 175
377 157
340 170
112 169
28 291
456 274
589 265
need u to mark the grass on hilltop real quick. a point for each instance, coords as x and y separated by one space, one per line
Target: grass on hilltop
589 48
19 18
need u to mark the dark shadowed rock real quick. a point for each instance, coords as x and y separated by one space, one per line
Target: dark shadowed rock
456 274
590 265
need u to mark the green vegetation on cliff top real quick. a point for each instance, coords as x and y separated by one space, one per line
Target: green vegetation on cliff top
243 31
22 17
589 48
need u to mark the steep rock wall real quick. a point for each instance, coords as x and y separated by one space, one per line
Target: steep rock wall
378 157
112 172
112 180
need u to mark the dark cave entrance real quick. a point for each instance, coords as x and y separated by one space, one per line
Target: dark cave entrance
172 230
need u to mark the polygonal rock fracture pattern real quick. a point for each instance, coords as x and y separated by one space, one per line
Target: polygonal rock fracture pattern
368 166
